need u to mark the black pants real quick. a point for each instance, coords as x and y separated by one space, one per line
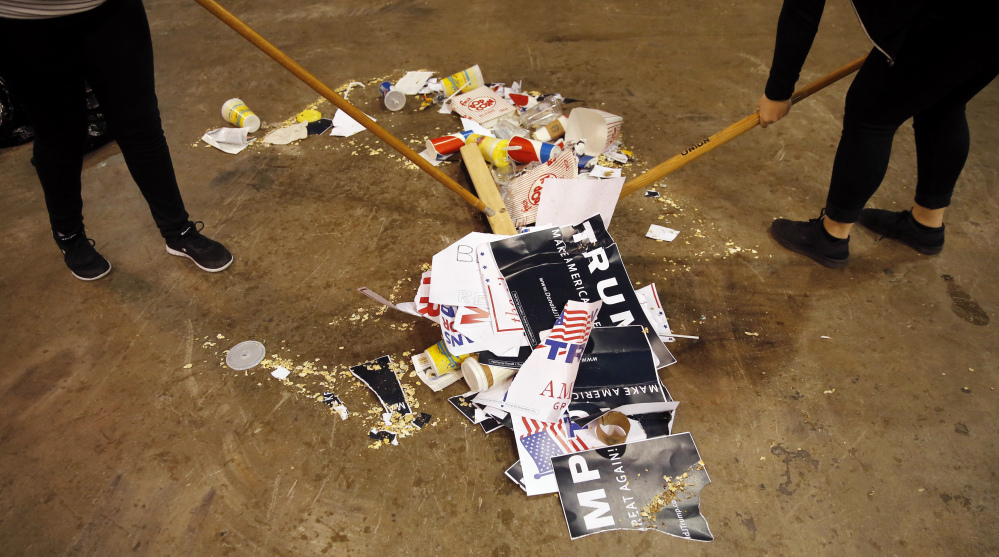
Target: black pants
46 62
941 66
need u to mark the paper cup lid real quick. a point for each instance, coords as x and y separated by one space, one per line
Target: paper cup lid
245 355
475 376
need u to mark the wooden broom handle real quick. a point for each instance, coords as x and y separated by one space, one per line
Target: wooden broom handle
735 130
301 73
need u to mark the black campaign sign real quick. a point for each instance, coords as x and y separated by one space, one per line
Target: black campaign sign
547 268
623 488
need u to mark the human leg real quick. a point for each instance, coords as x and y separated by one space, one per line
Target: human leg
937 63
46 78
118 59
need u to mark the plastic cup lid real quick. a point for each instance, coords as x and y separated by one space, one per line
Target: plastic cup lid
245 355
475 376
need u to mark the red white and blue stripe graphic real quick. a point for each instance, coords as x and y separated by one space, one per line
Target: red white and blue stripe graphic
558 433
572 326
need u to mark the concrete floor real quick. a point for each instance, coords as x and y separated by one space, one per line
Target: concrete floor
878 440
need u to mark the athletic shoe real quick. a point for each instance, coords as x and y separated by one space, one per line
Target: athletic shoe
809 238
81 257
902 226
206 253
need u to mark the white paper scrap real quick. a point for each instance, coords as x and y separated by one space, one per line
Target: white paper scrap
657 232
280 373
412 82
229 140
604 172
571 201
284 136
471 125
456 272
432 157
345 126
616 156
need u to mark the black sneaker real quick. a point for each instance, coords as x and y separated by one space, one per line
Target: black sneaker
902 226
809 238
81 257
206 253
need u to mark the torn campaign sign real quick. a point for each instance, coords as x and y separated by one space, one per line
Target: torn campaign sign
537 443
546 268
543 386
379 377
617 373
646 485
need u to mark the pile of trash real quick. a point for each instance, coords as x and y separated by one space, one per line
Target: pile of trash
543 329
551 342
527 138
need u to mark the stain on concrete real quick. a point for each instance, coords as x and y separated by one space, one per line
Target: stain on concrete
963 305
788 457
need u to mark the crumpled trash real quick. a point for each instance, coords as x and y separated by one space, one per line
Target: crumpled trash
345 126
230 140
284 136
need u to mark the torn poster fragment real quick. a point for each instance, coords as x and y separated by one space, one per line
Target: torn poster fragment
378 376
543 387
646 485
334 402
617 374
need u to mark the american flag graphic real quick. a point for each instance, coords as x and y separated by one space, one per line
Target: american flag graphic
545 440
572 326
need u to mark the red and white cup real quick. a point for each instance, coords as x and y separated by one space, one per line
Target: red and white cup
449 144
530 150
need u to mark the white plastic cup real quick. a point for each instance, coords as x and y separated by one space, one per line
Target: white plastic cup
237 113
542 113
394 100
600 129
480 377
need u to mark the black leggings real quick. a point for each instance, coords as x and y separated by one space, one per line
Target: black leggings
46 61
937 71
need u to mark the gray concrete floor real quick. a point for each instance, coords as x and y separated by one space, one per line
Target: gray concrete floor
878 440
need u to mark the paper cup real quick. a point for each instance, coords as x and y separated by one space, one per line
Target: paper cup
531 150
612 428
551 130
466 81
236 112
449 144
442 361
480 377
600 129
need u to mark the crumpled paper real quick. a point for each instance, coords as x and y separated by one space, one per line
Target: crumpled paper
229 140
